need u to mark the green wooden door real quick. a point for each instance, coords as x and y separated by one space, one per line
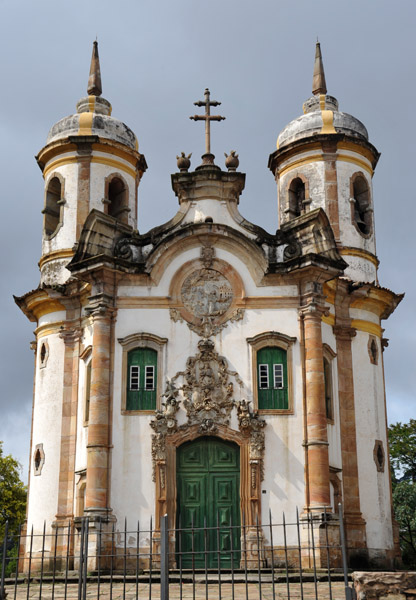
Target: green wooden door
208 484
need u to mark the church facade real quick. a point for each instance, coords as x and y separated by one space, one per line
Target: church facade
209 363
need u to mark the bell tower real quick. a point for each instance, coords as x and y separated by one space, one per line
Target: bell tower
90 161
324 160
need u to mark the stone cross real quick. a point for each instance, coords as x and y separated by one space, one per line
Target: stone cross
207 118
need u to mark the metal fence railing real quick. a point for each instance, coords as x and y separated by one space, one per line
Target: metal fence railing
304 557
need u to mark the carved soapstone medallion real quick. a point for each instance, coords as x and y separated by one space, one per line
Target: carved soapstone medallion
206 293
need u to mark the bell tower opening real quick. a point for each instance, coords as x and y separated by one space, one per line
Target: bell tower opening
117 199
296 198
52 210
361 213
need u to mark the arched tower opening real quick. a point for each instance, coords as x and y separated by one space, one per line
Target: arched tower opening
52 210
361 204
296 200
118 199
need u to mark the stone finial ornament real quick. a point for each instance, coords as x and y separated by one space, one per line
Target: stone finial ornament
184 162
318 81
231 160
94 81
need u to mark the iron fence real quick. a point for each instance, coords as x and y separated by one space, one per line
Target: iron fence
90 557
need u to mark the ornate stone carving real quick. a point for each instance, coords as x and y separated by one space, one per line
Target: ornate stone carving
206 293
183 162
231 160
207 390
251 426
208 327
70 335
175 315
165 422
207 296
207 256
208 402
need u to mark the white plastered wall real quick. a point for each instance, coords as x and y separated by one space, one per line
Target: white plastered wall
283 485
371 426
47 423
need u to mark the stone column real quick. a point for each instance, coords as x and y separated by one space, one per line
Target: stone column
316 443
344 333
97 496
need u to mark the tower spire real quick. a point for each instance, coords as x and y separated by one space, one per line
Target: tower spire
318 81
94 81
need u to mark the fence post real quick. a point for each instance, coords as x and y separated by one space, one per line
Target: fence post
349 592
164 558
3 562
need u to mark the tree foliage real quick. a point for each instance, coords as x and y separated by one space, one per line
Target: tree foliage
402 442
12 493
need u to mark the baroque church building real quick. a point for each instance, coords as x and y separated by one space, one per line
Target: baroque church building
209 365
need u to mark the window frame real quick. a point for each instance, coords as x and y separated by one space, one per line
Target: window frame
284 342
136 341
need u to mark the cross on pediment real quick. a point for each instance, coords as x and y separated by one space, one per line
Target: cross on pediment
207 158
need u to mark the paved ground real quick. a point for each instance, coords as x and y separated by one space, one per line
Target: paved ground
199 591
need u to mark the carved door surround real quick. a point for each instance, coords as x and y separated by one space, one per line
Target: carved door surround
206 293
207 397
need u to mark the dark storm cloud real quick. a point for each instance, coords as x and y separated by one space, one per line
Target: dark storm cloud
156 60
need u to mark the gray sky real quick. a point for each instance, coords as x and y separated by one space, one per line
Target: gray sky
157 57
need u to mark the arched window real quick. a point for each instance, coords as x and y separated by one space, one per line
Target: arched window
296 198
361 211
272 378
118 199
141 379
142 372
272 372
53 206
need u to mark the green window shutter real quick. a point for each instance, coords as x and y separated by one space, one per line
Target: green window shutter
141 379
272 379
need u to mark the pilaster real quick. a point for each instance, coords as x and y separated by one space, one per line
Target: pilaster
71 336
316 443
331 186
344 334
97 485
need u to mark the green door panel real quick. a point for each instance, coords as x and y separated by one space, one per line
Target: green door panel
208 484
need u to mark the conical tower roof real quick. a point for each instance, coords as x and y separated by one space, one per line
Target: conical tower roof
93 116
321 113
